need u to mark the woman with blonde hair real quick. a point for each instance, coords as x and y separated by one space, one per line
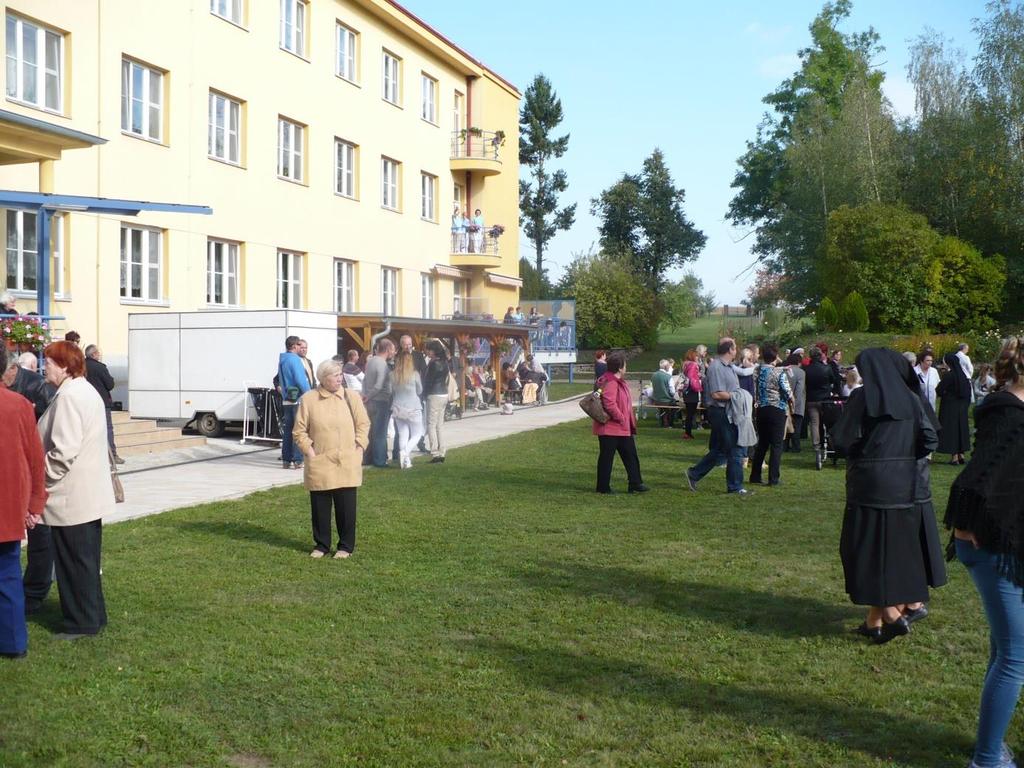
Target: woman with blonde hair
406 406
986 513
332 430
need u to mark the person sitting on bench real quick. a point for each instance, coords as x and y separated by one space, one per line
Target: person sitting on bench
662 396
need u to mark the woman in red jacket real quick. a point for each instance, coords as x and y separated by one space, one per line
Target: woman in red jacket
617 433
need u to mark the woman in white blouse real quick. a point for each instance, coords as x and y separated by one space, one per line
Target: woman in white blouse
928 376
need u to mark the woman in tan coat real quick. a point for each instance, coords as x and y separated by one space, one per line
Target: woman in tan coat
332 430
77 464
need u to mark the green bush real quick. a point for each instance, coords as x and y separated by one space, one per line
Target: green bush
853 315
827 317
970 287
613 309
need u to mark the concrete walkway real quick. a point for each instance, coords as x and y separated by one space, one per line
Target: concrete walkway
224 469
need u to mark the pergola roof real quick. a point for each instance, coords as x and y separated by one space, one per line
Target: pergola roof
33 201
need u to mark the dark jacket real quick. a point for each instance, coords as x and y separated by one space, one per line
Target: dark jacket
34 388
436 380
822 382
97 374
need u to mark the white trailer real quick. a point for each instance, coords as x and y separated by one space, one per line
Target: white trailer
198 365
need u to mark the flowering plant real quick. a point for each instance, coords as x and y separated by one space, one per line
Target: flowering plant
497 230
24 330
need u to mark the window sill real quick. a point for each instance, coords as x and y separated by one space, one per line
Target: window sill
226 162
21 293
144 303
232 22
395 104
298 56
224 307
342 195
140 137
347 80
296 182
429 122
428 221
62 297
37 107
391 210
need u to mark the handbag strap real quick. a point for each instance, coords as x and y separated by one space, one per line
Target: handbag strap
110 458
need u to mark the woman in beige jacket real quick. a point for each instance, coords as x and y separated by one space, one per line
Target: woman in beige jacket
332 430
74 434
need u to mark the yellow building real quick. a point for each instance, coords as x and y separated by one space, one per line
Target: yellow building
332 139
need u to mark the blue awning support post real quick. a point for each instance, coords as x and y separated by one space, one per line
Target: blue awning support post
43 261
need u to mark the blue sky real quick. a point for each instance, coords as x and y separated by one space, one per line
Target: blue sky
684 76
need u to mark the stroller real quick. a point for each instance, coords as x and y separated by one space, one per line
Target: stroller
831 412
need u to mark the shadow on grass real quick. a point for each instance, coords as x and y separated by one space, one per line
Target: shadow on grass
242 531
743 609
913 741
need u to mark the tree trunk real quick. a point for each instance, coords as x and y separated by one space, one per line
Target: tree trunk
871 149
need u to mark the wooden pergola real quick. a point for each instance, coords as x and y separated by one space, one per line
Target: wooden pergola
360 328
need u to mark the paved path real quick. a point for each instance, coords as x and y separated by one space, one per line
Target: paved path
223 469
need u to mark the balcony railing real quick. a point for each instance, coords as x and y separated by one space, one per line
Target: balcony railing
470 144
483 242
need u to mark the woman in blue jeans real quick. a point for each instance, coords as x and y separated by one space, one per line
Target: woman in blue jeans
986 513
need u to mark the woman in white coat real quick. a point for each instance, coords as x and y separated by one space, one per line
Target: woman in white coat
74 434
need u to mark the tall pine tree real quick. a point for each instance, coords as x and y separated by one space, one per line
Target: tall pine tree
540 115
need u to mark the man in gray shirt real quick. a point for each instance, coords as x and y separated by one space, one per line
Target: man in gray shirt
377 396
723 447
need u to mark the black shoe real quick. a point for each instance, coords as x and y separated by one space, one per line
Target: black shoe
690 482
118 459
892 630
437 460
864 630
756 481
639 488
7 655
609 492
421 446
916 614
33 607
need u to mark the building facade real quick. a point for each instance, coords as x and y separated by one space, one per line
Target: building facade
333 140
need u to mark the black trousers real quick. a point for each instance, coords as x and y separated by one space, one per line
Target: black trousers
691 413
771 430
793 440
76 550
344 502
626 448
39 569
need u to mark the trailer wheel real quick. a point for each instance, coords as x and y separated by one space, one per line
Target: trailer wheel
208 425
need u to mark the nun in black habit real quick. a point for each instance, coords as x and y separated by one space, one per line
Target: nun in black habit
954 393
889 544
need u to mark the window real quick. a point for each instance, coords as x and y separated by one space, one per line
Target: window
289 280
428 195
347 53
457 196
35 63
227 9
225 127
142 97
388 290
457 113
59 265
22 251
460 294
392 78
428 105
142 268
222 273
293 26
389 181
345 168
289 149
427 291
344 286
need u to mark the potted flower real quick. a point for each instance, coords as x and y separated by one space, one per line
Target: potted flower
496 230
24 333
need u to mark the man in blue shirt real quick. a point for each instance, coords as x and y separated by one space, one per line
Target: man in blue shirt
294 384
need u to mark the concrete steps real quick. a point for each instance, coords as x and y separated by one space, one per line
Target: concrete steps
137 437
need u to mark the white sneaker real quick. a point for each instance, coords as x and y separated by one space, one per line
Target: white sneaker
316 554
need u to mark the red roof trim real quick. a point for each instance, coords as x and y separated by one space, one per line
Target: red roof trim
402 9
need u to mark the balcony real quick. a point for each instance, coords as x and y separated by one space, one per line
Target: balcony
477 151
476 249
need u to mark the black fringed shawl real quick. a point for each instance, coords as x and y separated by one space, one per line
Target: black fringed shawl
988 496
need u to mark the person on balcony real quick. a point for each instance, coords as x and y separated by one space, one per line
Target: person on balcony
549 338
458 232
8 306
477 229
534 317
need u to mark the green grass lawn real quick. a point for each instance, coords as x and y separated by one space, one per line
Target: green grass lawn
497 612
561 389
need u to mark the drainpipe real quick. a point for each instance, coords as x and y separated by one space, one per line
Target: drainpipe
469 139
378 336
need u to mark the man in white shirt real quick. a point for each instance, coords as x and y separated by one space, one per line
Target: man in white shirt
928 376
966 364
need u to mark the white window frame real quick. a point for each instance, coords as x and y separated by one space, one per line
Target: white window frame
293 26
428 98
344 285
388 291
290 149
230 127
390 183
289 286
347 62
426 296
148 238
428 196
460 292
345 164
152 84
46 71
14 224
391 78
229 10
59 256
457 112
227 278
